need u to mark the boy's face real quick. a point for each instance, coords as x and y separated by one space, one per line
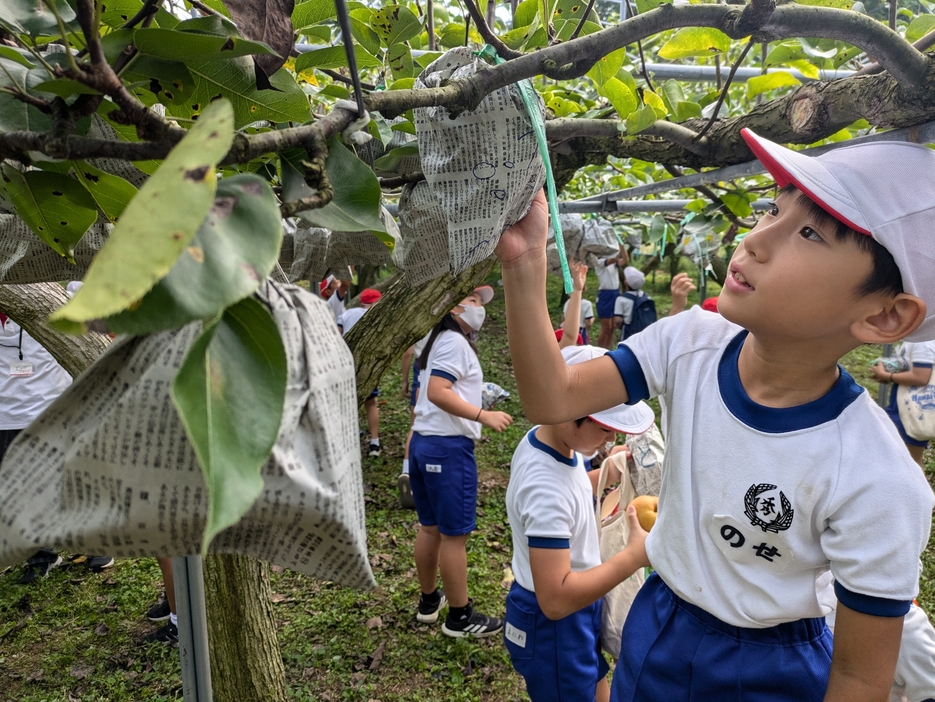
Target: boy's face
589 437
791 278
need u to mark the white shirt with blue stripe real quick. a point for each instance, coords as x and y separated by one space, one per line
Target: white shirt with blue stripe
550 504
451 358
757 502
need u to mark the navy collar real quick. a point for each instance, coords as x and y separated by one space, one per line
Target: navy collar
778 420
537 444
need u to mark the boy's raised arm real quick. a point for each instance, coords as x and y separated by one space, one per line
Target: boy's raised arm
864 659
551 392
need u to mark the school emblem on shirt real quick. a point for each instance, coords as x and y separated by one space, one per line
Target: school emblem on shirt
762 510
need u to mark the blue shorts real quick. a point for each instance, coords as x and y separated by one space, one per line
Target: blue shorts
606 299
373 395
560 660
414 387
443 477
674 651
892 409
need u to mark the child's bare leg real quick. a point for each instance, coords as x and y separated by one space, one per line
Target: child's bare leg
373 417
602 693
453 562
428 546
165 565
916 453
607 333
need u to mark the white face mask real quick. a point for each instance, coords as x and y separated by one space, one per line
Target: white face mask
474 317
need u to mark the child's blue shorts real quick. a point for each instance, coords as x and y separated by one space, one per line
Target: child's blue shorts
560 660
606 299
674 651
443 477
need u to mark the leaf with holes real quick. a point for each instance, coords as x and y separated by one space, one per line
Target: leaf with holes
229 393
695 41
567 14
169 81
395 24
156 226
35 17
334 57
111 194
54 206
356 203
175 45
234 249
399 59
235 80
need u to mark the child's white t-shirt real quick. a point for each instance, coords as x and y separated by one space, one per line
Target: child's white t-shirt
917 353
351 317
756 502
587 310
336 304
607 278
451 357
550 504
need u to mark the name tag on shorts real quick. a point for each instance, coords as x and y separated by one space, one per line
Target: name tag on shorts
516 636
433 468
21 369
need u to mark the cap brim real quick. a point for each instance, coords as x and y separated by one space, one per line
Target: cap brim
627 419
485 292
809 176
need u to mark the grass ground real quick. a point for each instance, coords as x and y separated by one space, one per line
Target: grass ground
74 635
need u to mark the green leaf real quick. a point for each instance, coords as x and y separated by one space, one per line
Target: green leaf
322 33
687 110
783 53
451 35
771 81
672 94
217 6
312 12
395 24
647 5
621 97
526 13
514 38
111 194
34 17
654 101
336 91
641 119
158 223
356 203
54 206
230 393
234 249
695 41
16 115
836 4
175 45
806 68
334 57
737 203
402 84
427 57
235 80
399 59
17 55
919 27
607 67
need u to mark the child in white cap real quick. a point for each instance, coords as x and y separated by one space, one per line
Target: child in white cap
634 310
553 611
774 454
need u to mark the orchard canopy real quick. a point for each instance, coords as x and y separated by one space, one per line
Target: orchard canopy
189 130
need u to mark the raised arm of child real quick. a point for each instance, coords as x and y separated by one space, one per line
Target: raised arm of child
560 591
680 287
550 391
864 659
579 275
405 364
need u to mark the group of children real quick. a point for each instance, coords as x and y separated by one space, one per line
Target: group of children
788 497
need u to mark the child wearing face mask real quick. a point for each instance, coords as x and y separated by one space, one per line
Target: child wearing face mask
442 470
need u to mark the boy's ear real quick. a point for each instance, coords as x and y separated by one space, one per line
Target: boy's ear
899 317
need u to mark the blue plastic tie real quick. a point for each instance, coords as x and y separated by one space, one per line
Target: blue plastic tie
528 95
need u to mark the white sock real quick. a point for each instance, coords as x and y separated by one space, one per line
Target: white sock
173 619
405 466
374 442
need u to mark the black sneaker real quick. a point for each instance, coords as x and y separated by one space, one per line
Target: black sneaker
39 566
476 624
428 611
375 450
98 563
168 634
159 612
405 491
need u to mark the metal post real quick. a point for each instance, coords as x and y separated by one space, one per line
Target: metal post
193 629
882 395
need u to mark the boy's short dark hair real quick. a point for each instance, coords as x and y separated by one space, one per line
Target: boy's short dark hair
884 275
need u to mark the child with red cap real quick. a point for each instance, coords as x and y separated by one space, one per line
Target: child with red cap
779 467
368 298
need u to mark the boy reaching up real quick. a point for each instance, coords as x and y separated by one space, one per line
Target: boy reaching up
774 454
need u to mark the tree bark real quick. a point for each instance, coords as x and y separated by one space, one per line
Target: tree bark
246 665
403 316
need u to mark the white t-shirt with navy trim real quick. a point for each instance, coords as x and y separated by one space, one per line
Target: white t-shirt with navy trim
451 357
917 354
550 504
351 317
607 277
587 310
757 502
29 384
336 303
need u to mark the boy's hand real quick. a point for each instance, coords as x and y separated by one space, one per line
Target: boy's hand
528 234
579 274
680 287
498 421
636 543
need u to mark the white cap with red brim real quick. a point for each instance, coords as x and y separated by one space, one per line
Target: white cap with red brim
485 292
885 189
628 419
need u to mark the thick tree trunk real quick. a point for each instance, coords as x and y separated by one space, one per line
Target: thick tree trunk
402 317
246 665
